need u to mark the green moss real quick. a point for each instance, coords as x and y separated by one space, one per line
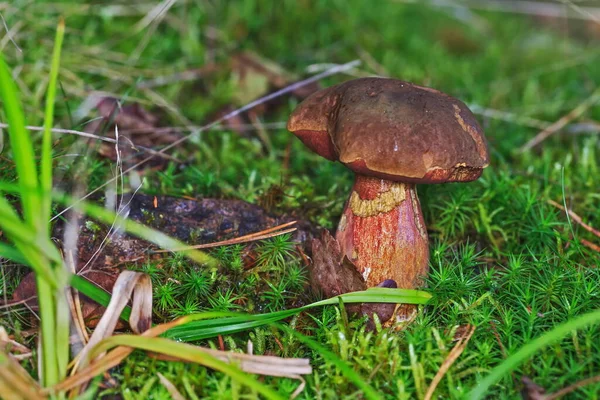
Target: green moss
502 258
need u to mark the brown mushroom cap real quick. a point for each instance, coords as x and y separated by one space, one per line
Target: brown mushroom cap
393 130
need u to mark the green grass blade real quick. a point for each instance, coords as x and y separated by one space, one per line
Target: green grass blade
21 145
12 254
528 350
23 236
188 353
199 330
379 295
203 329
46 161
48 329
60 347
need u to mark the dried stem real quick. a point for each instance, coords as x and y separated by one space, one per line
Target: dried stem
452 356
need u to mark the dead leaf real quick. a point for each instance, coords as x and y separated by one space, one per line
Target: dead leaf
15 381
257 364
331 273
257 76
456 41
12 347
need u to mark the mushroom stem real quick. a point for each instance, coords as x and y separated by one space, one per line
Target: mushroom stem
383 233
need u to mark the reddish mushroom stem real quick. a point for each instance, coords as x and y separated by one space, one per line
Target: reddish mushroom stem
383 233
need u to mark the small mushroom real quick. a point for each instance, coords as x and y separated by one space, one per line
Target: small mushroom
393 135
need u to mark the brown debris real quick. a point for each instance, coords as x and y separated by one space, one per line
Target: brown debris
332 274
191 221
258 76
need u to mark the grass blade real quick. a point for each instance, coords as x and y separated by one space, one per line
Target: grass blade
203 329
189 353
21 145
348 372
96 293
12 254
46 162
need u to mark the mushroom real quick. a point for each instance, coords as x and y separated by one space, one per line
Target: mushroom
393 135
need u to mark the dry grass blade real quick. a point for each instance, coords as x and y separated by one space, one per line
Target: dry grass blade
300 388
195 128
252 237
576 218
170 387
586 12
74 300
66 131
15 381
563 121
112 359
452 356
128 282
100 138
509 117
11 346
265 365
256 364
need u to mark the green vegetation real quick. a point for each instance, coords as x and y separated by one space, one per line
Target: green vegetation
502 258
